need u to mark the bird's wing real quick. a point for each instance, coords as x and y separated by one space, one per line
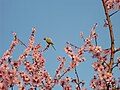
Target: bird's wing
49 40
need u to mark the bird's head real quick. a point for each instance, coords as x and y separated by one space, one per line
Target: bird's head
44 38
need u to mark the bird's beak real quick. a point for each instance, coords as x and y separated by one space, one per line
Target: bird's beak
44 38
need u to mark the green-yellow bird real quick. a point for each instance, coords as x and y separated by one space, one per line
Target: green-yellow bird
49 41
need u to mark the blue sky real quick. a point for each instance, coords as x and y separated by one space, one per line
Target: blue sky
62 20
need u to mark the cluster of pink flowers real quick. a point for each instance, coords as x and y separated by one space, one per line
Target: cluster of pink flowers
6 55
103 78
76 57
30 46
34 75
8 76
61 66
111 4
65 84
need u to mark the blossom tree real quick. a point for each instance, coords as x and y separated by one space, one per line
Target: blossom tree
36 77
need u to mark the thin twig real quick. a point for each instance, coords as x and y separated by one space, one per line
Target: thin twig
22 43
113 13
12 87
46 47
77 79
35 88
72 45
115 66
117 50
82 37
61 76
96 41
106 64
16 39
95 36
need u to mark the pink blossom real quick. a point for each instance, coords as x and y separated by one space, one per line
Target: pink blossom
25 78
88 41
105 76
35 80
97 66
68 49
93 33
60 67
35 51
6 55
33 29
118 59
29 67
31 88
16 64
22 88
111 4
81 33
3 86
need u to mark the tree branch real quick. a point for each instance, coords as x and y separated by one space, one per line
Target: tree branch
114 13
60 77
77 79
96 41
117 50
111 36
116 65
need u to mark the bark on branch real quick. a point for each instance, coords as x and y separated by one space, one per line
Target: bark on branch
111 36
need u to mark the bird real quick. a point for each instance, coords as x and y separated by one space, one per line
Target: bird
49 42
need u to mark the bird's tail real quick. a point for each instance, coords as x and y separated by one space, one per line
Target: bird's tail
53 47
